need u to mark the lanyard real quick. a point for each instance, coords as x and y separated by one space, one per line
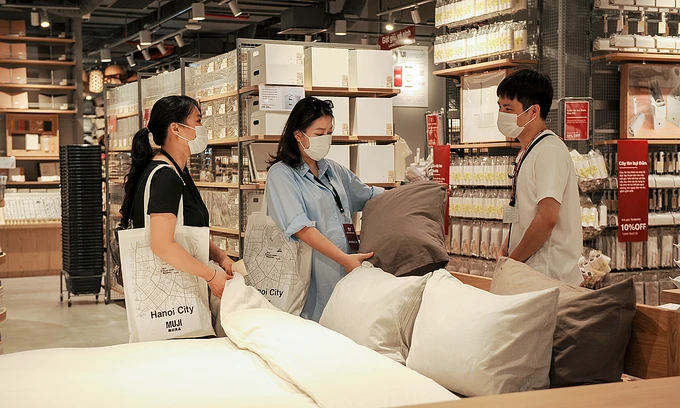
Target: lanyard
189 182
335 193
179 169
518 165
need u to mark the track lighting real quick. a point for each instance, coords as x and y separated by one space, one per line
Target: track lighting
340 27
389 26
131 61
105 55
44 20
192 25
145 37
198 11
364 41
415 16
233 6
179 40
161 48
35 18
146 55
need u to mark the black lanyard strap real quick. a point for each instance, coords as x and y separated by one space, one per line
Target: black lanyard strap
519 166
335 193
172 160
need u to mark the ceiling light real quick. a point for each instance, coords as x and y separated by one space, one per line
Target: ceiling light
233 6
179 40
415 15
35 18
198 11
145 37
139 47
161 48
106 55
146 55
131 61
389 26
44 20
340 27
88 97
192 25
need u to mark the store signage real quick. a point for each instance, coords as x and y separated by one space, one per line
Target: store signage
633 190
434 129
147 115
405 36
113 124
410 76
576 120
440 174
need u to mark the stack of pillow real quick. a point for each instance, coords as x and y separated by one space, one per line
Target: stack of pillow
530 332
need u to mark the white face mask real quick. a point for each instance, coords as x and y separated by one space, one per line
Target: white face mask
319 146
507 124
200 142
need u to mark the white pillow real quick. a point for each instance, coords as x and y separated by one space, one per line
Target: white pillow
376 310
476 343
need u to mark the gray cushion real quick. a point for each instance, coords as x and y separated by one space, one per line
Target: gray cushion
404 227
593 327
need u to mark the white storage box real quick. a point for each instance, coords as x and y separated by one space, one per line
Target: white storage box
373 163
327 67
371 69
274 64
371 117
279 98
268 123
340 114
340 155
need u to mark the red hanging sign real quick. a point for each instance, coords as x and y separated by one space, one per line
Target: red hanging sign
113 124
405 36
633 181
434 129
576 120
147 115
442 162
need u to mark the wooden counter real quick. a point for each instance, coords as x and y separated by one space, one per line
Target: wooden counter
670 296
31 250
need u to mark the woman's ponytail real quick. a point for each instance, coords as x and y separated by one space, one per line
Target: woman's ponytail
142 153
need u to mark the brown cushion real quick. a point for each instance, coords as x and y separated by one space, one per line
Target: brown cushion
593 327
404 227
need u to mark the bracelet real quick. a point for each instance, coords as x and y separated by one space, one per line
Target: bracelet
214 274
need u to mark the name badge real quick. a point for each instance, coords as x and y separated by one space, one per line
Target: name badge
352 238
510 215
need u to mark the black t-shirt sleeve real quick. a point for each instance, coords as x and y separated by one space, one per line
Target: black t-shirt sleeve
165 192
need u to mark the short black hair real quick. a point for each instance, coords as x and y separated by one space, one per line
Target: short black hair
304 113
530 88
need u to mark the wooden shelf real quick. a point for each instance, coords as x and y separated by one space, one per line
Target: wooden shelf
47 40
258 186
3 314
253 89
228 231
36 225
117 180
39 87
3 258
215 185
32 183
637 57
218 96
260 138
51 111
336 139
490 145
223 142
46 158
2 203
482 67
653 142
120 149
49 63
233 254
354 92
125 115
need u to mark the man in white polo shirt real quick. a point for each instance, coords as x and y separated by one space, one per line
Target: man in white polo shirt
545 213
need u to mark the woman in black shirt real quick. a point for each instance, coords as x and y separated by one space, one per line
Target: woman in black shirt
175 125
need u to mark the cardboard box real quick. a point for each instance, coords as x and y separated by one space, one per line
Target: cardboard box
275 64
340 155
279 98
4 27
5 100
49 169
371 117
5 75
327 67
18 76
5 50
18 51
373 163
20 100
371 69
341 123
253 105
268 123
17 27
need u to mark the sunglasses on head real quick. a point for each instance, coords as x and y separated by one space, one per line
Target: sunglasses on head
322 104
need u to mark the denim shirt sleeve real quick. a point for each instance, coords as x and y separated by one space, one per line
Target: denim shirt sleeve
357 192
285 204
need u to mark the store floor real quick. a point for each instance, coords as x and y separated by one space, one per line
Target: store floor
36 319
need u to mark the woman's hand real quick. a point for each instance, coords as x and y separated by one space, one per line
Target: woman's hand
217 283
353 261
226 264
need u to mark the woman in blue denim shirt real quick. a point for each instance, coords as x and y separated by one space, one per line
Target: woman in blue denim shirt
312 199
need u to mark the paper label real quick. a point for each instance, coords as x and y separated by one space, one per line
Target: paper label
510 215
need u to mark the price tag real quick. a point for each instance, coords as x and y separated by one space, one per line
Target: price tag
510 215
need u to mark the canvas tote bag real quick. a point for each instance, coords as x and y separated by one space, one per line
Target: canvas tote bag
161 301
278 268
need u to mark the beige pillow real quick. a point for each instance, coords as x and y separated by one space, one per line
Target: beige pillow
404 227
593 327
376 310
476 343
